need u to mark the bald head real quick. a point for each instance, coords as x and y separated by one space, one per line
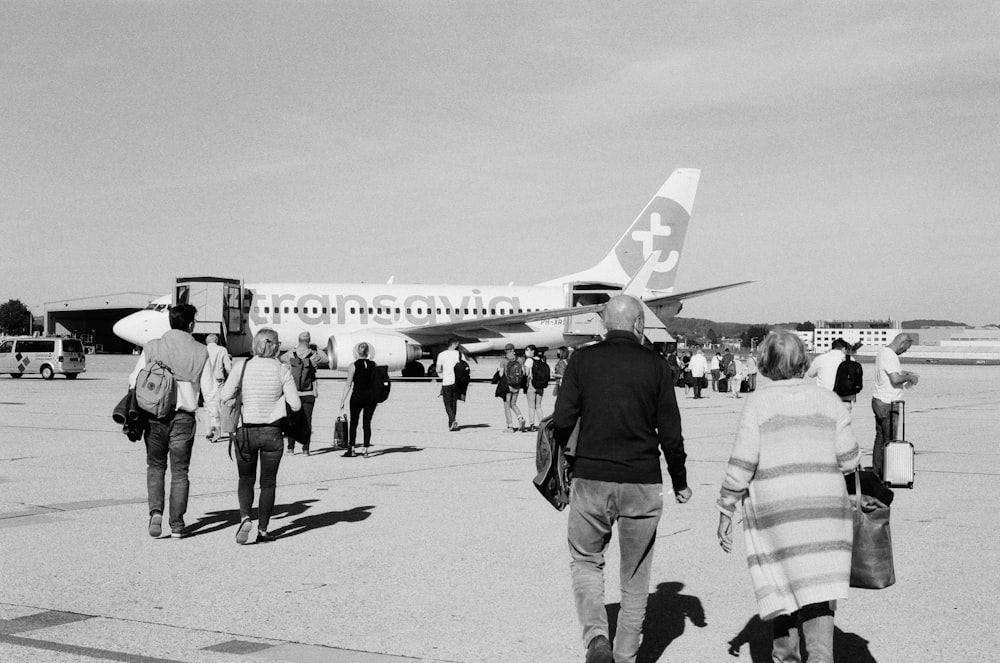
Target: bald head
901 343
622 313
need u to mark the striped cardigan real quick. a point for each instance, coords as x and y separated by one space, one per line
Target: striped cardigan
793 444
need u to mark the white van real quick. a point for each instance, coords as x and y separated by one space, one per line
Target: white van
46 355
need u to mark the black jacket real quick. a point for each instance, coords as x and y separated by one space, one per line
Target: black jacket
133 420
623 395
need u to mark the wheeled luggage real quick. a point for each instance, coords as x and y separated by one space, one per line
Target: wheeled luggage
723 384
340 433
897 466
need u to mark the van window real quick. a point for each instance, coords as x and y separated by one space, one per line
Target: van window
72 345
36 346
6 346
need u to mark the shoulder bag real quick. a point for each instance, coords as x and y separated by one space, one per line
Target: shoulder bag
871 557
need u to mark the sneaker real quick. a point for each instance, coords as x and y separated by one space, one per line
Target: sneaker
454 426
177 535
350 454
264 537
155 524
599 651
243 533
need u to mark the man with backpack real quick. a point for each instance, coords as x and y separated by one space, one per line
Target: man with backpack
171 367
538 376
828 368
303 360
513 375
447 361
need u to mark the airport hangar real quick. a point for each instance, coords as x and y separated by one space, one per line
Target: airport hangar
90 319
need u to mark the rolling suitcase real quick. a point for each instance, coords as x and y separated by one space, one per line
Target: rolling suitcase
340 433
898 462
723 385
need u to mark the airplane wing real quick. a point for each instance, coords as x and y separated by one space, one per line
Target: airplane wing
492 326
672 299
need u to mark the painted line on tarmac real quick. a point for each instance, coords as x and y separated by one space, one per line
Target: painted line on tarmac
282 651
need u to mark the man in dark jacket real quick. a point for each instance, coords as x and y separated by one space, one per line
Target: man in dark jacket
623 397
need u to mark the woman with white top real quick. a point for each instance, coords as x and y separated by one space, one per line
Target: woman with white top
267 385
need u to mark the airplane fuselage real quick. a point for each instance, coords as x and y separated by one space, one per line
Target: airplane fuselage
328 309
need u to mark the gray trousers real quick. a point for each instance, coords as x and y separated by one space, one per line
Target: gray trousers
595 506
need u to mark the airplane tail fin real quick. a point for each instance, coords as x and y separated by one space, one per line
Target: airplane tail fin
661 226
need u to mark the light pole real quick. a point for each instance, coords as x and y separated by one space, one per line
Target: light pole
753 344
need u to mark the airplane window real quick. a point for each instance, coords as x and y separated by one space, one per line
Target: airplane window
409 311
438 311
369 310
333 310
420 311
267 309
466 311
324 310
352 310
315 310
493 311
295 309
397 311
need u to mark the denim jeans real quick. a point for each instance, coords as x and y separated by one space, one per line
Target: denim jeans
816 620
883 434
171 437
449 394
253 442
595 506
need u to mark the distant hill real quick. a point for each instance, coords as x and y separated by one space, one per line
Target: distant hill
917 324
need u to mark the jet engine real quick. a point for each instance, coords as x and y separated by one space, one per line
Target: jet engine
384 348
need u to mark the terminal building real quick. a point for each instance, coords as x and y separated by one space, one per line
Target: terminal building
871 333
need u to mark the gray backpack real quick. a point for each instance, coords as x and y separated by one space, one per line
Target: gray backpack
154 390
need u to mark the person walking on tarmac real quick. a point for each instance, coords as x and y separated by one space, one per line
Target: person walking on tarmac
360 384
303 360
513 371
446 361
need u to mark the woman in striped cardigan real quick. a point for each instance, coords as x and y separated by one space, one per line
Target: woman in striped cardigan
793 445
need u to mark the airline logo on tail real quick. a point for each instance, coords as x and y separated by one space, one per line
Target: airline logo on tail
661 227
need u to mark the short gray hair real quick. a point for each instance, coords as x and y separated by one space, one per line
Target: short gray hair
782 356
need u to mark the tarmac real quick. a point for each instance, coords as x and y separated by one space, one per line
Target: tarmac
437 547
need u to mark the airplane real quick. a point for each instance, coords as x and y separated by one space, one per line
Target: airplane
403 323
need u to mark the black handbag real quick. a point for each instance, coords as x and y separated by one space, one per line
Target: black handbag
871 556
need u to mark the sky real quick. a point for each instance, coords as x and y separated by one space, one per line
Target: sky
848 149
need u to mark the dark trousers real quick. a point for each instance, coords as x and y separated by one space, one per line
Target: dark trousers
883 434
696 383
303 433
171 437
361 404
449 394
253 442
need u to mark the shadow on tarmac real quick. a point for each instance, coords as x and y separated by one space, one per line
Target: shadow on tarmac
307 523
666 612
214 521
847 647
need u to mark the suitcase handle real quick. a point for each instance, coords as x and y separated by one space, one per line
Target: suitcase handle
901 433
